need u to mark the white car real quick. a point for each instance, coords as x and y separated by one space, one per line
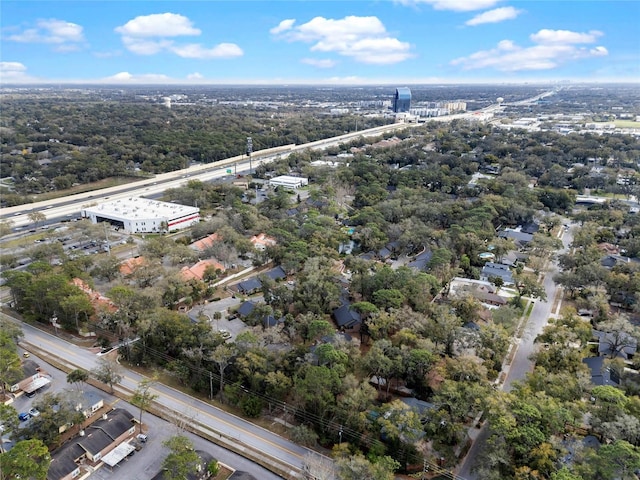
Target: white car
34 412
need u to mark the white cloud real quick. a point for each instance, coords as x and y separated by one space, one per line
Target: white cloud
195 76
195 50
364 39
546 36
455 5
126 77
158 25
153 34
143 46
553 48
283 26
64 36
15 72
319 62
494 16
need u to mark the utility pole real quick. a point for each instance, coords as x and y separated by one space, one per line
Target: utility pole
249 151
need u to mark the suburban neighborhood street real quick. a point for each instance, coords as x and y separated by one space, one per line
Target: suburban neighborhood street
521 364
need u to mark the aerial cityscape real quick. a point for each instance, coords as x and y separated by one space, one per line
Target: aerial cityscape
320 240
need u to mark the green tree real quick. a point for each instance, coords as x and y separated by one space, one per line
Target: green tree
182 459
616 460
78 377
8 419
27 459
357 467
303 435
10 368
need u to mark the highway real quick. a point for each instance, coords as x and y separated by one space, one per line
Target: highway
194 411
72 204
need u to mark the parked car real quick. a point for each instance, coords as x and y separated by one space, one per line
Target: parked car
24 416
142 437
34 412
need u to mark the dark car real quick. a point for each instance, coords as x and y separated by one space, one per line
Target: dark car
24 416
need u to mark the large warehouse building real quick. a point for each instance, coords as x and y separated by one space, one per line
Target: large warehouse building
141 215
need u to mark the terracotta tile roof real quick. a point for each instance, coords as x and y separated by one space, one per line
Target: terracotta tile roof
99 301
197 271
205 242
262 241
130 265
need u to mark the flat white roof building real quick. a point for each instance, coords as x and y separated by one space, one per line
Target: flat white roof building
288 181
141 215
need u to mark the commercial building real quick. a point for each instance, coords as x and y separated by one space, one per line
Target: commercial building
402 100
289 182
141 215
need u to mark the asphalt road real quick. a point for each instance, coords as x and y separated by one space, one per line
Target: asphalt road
521 363
185 407
148 461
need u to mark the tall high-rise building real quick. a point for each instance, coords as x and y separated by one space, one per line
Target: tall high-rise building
402 100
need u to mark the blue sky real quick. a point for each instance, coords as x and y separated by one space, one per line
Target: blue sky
319 42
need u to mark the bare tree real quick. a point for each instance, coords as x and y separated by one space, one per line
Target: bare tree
108 371
318 467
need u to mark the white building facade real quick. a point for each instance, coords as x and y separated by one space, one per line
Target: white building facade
142 215
288 181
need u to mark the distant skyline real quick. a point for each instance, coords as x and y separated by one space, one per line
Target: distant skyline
318 42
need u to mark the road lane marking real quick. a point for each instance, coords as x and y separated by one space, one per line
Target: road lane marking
211 416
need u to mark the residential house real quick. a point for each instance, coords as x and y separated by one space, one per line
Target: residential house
99 301
346 317
130 265
610 261
253 284
491 299
493 270
421 261
389 250
33 378
245 309
262 241
90 403
530 227
601 375
204 243
92 445
249 286
616 344
197 271
520 238
276 273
